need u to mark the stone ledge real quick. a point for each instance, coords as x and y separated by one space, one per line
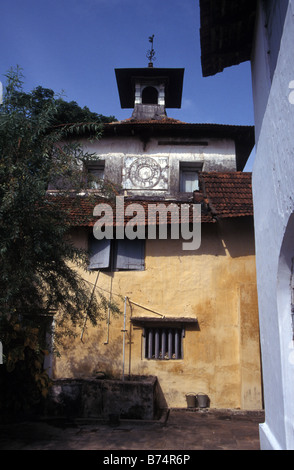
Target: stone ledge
132 398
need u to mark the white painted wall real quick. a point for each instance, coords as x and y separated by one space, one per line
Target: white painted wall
273 192
219 155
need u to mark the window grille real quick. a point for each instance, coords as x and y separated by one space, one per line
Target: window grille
163 343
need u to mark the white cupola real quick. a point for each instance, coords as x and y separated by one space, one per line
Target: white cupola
149 91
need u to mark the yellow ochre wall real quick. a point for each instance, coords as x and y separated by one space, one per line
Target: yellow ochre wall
215 284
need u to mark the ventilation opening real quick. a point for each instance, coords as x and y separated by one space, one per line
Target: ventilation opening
150 95
163 343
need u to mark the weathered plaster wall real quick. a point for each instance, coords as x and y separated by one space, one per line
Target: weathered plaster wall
217 155
273 176
216 285
101 398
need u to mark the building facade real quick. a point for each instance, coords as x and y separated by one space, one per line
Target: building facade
189 311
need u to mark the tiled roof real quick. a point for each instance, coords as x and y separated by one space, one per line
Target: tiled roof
167 124
228 194
221 195
131 120
79 210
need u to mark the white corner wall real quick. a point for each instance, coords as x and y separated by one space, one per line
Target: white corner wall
273 193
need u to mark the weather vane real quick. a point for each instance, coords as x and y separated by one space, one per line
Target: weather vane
151 53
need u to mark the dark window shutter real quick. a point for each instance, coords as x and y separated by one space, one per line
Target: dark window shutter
99 252
130 254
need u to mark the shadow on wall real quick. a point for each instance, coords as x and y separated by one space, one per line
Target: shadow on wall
233 236
84 359
285 289
238 236
159 400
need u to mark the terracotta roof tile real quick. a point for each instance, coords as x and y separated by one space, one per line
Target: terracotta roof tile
79 210
221 195
164 120
228 194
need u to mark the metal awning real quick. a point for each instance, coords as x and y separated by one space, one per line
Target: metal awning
161 321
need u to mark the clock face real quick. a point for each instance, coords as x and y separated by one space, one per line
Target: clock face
145 172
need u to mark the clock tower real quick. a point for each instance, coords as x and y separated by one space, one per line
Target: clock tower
149 91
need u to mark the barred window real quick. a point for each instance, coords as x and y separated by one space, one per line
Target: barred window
163 343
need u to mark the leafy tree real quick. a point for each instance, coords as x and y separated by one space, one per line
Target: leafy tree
36 254
72 113
66 112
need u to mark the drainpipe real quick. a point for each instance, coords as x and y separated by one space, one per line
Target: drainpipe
124 338
108 315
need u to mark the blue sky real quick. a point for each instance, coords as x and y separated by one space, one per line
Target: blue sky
73 46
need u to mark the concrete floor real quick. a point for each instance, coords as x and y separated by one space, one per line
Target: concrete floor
178 430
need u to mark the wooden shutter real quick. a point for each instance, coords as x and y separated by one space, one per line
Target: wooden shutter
130 254
99 252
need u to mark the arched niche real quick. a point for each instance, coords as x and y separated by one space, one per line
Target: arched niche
150 95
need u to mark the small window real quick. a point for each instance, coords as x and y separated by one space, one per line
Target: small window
95 174
189 180
163 343
116 255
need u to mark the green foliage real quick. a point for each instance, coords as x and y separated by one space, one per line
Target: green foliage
36 276
72 113
40 98
24 382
